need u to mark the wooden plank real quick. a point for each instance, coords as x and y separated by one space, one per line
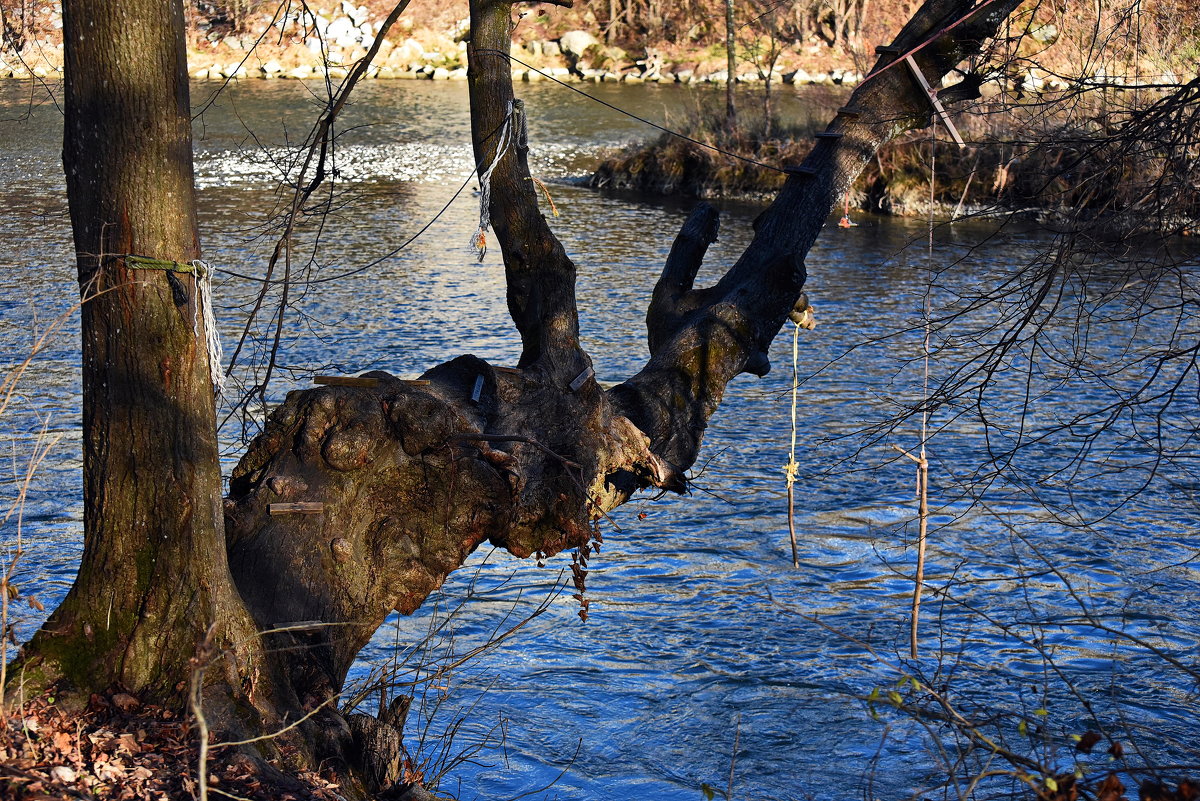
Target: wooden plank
415 382
933 98
345 381
508 370
302 508
849 111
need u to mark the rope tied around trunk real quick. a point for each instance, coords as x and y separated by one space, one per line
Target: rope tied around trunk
203 317
503 143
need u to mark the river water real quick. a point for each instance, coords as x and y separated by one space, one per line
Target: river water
706 655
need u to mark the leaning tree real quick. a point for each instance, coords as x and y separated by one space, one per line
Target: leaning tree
409 476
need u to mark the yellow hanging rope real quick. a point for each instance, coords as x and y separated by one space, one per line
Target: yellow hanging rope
803 317
922 459
789 469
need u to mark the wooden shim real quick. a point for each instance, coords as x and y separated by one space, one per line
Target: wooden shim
345 381
801 170
849 111
828 135
887 50
508 370
581 379
296 625
933 98
415 382
302 508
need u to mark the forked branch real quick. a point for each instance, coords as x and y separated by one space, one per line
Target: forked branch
701 338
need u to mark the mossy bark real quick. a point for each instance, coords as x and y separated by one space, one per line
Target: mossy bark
154 573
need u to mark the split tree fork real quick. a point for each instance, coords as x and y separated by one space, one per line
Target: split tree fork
409 477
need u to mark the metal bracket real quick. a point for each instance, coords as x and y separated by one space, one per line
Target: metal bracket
581 379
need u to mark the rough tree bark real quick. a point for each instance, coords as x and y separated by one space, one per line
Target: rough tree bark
154 573
412 475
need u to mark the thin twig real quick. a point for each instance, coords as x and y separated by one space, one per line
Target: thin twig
737 733
285 729
199 663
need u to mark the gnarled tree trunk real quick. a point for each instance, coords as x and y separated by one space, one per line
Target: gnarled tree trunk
411 476
414 475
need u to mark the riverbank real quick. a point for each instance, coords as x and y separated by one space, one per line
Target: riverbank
118 748
1025 157
326 42
428 42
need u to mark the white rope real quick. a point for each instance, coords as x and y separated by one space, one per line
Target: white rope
791 467
205 316
479 239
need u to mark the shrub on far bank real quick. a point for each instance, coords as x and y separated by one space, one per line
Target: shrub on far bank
1101 157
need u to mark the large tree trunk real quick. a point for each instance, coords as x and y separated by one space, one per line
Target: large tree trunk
410 476
154 574
414 475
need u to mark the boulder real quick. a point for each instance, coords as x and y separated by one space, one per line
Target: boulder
574 43
1045 34
343 29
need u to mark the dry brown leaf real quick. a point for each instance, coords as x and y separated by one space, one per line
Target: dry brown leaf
111 771
63 741
1111 789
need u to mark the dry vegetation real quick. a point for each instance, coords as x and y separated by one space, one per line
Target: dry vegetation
121 749
1081 111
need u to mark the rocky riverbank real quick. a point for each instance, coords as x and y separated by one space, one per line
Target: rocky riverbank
327 41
